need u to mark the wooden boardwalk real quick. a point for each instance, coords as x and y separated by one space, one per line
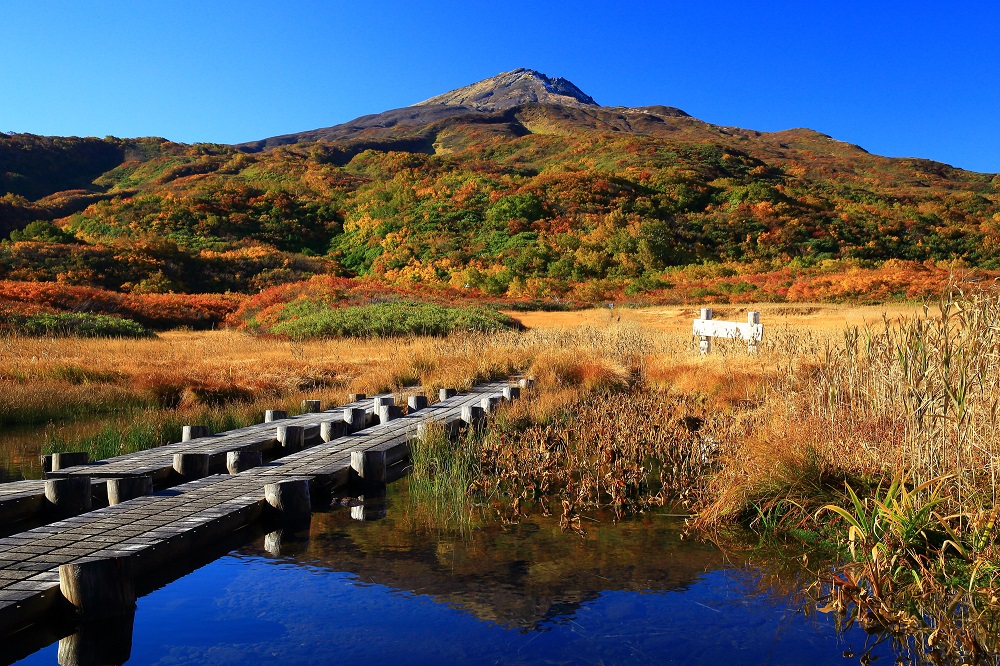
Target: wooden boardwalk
154 530
23 500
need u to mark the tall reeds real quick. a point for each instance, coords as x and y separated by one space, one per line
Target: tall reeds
443 470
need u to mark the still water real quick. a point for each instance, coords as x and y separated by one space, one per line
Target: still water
353 592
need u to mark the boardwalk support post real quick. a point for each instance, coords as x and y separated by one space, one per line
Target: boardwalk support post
190 432
490 403
415 403
331 430
69 496
292 437
377 405
274 415
472 414
387 413
369 466
511 393
125 488
67 460
98 588
526 383
191 466
241 461
356 397
290 499
446 393
355 418
310 406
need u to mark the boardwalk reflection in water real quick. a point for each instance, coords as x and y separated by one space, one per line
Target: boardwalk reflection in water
355 592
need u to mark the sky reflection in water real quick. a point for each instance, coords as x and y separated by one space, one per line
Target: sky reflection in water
354 593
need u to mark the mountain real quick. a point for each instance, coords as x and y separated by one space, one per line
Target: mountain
497 100
520 185
514 88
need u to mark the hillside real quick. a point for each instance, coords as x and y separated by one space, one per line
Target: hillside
519 186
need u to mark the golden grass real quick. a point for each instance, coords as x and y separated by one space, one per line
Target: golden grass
626 415
812 407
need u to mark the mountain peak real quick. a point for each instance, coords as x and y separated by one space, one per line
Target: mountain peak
513 88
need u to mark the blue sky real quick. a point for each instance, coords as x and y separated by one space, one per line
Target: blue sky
901 79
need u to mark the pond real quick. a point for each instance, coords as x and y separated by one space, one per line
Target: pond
20 446
356 592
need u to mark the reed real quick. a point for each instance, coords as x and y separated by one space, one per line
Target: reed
442 471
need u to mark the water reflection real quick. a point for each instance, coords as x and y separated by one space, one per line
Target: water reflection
357 592
21 446
523 576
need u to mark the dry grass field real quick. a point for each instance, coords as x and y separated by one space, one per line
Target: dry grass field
818 317
875 427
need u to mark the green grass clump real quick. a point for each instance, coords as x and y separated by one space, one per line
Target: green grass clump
443 470
307 320
149 429
79 324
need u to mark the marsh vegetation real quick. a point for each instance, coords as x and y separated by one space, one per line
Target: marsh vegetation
871 449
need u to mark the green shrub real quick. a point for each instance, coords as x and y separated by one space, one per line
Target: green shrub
387 320
81 324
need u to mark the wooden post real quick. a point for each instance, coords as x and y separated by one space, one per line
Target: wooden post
472 414
356 397
274 415
69 496
378 404
369 466
100 587
45 462
490 403
191 466
415 403
241 461
753 344
67 460
290 499
125 488
388 413
190 432
705 345
310 406
355 419
511 392
292 437
446 393
331 430
526 383
98 642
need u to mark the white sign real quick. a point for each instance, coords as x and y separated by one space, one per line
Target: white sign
714 328
707 328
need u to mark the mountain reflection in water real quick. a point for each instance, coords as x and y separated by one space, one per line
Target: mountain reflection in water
522 576
355 592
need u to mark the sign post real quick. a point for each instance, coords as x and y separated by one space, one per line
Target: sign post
707 328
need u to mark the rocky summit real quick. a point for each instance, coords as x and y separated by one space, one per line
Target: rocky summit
514 88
